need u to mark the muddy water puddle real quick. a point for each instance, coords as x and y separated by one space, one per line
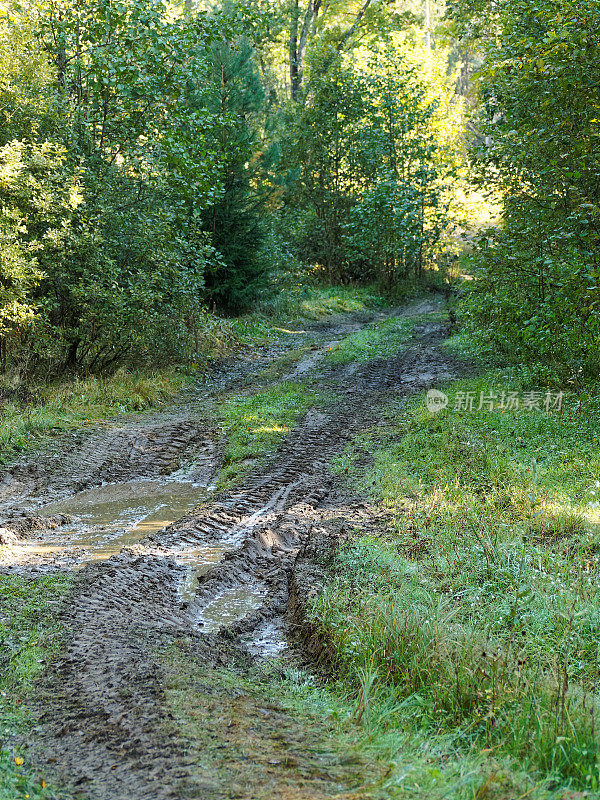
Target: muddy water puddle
104 520
229 606
113 516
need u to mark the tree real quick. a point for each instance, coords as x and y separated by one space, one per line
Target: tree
235 219
337 23
539 143
377 150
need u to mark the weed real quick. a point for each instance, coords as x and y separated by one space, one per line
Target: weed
475 614
78 401
255 423
28 638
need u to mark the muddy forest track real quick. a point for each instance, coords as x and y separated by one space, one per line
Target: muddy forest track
80 460
104 726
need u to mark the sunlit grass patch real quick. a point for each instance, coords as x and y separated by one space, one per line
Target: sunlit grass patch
317 302
284 314
28 638
379 340
481 600
256 423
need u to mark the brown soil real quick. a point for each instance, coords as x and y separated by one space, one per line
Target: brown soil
108 726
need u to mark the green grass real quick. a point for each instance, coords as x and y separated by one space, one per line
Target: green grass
262 732
379 340
408 760
282 316
28 638
256 423
316 302
79 401
475 615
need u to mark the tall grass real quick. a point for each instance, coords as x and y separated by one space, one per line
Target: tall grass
76 401
479 604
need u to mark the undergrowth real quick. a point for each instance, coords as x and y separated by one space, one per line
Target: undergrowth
25 414
314 302
28 638
473 619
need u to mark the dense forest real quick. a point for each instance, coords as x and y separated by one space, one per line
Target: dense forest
161 161
299 399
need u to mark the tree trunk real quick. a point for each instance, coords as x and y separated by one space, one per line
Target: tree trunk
294 67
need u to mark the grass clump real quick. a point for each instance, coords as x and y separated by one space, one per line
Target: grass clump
378 340
293 305
78 401
315 302
255 423
28 638
479 604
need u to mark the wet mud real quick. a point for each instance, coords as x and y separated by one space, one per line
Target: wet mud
230 577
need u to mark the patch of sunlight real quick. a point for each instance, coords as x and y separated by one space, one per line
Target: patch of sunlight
272 429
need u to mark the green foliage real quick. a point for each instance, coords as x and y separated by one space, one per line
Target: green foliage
28 637
376 153
37 198
104 184
235 221
537 288
476 610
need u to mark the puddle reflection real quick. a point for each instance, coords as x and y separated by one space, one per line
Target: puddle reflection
114 516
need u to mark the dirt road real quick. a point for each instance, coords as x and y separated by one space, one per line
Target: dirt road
132 707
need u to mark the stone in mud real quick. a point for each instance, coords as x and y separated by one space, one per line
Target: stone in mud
8 537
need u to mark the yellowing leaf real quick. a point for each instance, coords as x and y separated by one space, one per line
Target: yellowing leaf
18 761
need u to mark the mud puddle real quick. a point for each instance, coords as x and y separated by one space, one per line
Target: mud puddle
229 606
98 523
110 517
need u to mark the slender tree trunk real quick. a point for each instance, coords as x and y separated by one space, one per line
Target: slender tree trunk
294 67
427 25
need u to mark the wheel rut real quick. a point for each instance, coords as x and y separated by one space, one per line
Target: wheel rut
104 726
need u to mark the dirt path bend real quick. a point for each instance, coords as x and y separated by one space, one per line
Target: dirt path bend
106 725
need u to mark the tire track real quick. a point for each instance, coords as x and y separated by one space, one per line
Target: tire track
103 720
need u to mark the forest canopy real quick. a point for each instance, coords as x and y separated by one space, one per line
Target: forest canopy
161 162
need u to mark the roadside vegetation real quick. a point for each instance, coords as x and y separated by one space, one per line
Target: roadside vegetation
471 620
28 414
535 297
28 639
